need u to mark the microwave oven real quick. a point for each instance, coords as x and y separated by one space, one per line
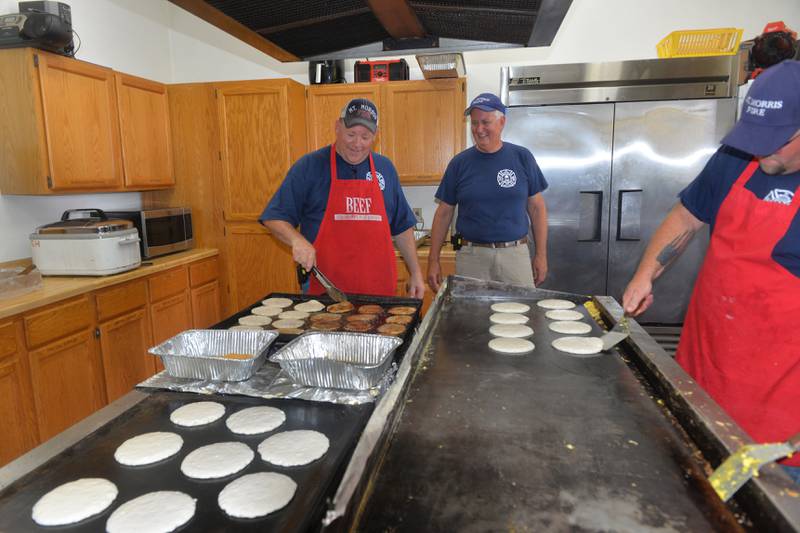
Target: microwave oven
163 231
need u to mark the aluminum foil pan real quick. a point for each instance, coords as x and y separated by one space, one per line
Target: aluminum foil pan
338 360
197 353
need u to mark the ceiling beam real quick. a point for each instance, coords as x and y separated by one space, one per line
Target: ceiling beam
397 18
222 21
548 21
474 9
308 22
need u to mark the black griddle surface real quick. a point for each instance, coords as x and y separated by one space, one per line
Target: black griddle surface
538 442
93 456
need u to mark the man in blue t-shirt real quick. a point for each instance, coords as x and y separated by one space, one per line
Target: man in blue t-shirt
349 211
741 332
497 187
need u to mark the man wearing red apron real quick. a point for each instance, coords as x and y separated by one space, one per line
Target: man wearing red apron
741 335
348 202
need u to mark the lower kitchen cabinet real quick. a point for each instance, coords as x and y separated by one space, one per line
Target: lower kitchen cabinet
205 305
169 317
448 266
68 384
17 411
123 343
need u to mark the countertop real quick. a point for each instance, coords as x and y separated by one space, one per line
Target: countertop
57 288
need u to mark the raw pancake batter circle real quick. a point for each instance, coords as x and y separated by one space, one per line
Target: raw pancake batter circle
217 460
508 318
311 306
506 345
74 501
276 302
511 331
293 315
570 327
294 448
148 448
555 303
255 320
564 314
255 495
197 414
510 307
254 420
287 323
160 511
579 345
267 311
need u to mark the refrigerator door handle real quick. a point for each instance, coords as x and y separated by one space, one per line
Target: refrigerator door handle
629 215
590 221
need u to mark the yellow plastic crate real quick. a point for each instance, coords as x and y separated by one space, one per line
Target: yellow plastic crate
696 43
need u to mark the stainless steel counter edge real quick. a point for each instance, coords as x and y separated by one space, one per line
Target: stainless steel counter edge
46 451
376 425
709 426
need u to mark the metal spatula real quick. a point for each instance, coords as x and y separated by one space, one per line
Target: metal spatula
331 289
737 469
616 334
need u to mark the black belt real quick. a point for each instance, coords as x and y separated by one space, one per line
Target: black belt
509 244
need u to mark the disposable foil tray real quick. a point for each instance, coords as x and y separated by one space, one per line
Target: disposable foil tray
337 360
198 353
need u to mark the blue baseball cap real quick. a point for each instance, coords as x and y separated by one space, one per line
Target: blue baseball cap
771 111
360 112
486 102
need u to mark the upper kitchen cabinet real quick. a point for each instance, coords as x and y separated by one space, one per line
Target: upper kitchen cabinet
325 103
61 131
144 127
423 127
262 127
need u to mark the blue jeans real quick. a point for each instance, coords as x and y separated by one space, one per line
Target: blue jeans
794 473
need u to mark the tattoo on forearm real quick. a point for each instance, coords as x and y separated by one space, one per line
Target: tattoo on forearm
672 250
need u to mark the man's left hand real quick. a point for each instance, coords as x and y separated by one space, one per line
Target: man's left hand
416 287
539 264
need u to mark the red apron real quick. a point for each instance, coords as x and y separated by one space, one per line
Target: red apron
354 243
741 337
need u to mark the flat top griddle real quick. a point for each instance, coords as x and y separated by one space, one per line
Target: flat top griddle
539 442
93 457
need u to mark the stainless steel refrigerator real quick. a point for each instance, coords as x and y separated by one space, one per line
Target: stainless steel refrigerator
617 142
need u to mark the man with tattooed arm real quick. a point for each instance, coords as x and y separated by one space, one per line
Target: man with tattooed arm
741 335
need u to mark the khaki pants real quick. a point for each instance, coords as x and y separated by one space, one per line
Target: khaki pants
509 265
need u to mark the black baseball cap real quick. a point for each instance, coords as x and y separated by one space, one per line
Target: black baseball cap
360 112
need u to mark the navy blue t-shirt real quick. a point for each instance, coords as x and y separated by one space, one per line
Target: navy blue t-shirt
703 197
492 191
303 196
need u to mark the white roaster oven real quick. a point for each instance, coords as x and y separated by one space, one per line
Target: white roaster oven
86 245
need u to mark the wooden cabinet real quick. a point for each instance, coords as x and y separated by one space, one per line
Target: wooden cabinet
171 316
262 130
421 122
144 127
68 383
61 131
17 411
448 265
324 107
426 127
205 305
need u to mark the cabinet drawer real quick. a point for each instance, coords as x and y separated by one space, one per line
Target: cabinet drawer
8 340
117 300
57 321
203 272
171 282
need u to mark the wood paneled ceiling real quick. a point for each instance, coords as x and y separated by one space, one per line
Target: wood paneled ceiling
292 30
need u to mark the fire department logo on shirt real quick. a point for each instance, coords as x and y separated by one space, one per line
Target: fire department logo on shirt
780 196
381 181
506 178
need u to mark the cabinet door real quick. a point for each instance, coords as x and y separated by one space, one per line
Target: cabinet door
205 305
325 103
423 127
67 381
254 131
257 264
144 130
16 397
169 317
81 124
124 342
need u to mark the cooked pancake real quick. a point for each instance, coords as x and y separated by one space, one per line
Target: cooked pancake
276 302
326 326
341 307
370 309
402 310
399 319
510 307
512 346
311 306
362 318
555 303
290 331
359 327
579 345
392 329
287 323
324 317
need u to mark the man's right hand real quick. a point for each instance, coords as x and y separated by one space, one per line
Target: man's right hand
434 274
638 296
303 253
